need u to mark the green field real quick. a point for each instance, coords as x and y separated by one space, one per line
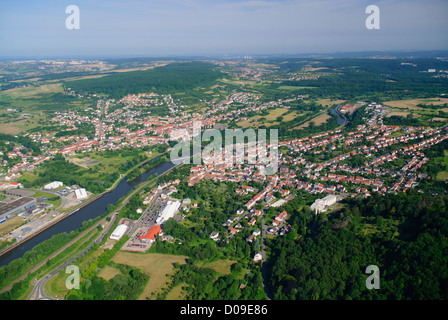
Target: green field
220 266
108 272
31 91
270 119
410 106
105 162
443 175
158 266
177 293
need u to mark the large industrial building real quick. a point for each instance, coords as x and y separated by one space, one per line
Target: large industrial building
168 211
81 194
118 232
10 209
53 185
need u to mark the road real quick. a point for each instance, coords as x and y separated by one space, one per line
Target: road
263 254
38 292
263 237
102 115
149 220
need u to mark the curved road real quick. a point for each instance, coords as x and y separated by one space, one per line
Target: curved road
38 292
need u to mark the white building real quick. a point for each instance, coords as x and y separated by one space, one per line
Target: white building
118 232
278 203
169 211
257 256
81 194
321 205
214 235
53 185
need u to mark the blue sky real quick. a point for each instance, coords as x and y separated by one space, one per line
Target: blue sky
202 27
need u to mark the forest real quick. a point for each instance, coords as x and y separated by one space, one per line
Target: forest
201 283
372 78
125 286
169 79
405 235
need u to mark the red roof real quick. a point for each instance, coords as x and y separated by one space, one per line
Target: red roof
152 233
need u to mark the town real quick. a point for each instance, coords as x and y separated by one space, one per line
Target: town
330 154
318 164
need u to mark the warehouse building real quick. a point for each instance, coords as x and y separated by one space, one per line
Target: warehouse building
53 185
81 194
168 211
9 210
118 232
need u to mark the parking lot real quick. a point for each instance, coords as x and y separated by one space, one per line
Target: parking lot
143 224
141 227
135 244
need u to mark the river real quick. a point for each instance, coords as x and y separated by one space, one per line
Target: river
91 211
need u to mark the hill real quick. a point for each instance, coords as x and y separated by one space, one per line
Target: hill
171 78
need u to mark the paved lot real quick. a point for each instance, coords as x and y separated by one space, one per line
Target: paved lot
20 193
135 244
34 225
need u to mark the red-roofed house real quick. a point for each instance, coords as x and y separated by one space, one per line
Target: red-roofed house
152 233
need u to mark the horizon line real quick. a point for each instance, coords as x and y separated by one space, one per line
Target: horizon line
226 55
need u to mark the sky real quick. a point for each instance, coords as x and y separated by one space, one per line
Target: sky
37 28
